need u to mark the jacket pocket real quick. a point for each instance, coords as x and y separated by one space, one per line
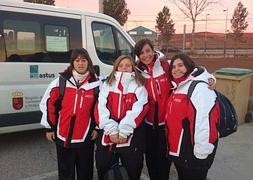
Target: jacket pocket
187 154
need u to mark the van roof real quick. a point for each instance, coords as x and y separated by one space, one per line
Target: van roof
49 8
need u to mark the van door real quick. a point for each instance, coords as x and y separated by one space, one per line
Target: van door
110 41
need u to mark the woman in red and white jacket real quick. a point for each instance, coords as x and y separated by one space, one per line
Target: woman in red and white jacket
191 121
69 121
155 71
122 105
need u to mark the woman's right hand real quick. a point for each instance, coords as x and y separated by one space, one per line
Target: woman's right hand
50 136
114 138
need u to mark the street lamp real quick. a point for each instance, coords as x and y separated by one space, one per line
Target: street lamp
206 33
225 33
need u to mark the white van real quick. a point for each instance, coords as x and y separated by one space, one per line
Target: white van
35 45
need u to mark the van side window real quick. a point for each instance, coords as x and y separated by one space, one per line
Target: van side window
124 47
2 47
38 38
22 38
57 43
110 43
57 38
104 42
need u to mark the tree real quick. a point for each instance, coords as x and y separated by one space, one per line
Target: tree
239 23
117 9
48 2
192 9
165 27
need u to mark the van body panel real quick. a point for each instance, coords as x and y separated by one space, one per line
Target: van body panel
35 45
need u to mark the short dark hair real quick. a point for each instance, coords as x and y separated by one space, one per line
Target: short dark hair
188 63
140 44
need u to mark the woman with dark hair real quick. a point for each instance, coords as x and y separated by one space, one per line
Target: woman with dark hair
191 121
155 70
122 105
69 119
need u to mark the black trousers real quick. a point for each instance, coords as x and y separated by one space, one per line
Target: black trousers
191 173
131 157
156 153
80 159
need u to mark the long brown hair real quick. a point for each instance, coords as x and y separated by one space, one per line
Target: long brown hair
138 77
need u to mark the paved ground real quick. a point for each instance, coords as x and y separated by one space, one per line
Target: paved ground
37 160
234 159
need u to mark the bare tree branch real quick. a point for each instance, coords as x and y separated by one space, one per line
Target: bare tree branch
192 9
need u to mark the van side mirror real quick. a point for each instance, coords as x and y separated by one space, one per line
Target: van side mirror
97 70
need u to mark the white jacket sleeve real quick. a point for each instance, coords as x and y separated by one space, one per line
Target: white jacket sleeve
203 99
205 76
110 126
130 121
43 103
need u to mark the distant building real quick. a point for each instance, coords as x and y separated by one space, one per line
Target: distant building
141 32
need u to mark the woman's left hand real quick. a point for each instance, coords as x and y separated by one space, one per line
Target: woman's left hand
94 135
211 83
122 140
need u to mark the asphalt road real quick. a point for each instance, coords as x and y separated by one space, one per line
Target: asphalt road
29 156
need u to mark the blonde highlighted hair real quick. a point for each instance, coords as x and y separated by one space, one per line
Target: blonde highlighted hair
138 77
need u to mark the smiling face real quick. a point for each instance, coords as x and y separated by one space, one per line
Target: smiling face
125 65
178 68
80 64
146 55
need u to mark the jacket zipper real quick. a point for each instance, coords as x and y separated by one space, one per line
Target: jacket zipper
81 102
152 85
171 103
68 140
119 109
74 112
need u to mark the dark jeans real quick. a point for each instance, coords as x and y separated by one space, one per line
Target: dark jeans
81 158
131 156
156 153
191 173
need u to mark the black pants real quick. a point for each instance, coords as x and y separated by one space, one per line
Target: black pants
156 153
191 173
79 158
131 156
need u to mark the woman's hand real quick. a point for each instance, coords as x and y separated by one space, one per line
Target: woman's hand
122 140
114 138
50 136
94 135
211 83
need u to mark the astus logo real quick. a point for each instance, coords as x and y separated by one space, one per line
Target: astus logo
34 71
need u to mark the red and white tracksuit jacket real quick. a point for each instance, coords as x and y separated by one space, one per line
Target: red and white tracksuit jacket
192 123
72 122
121 107
158 86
